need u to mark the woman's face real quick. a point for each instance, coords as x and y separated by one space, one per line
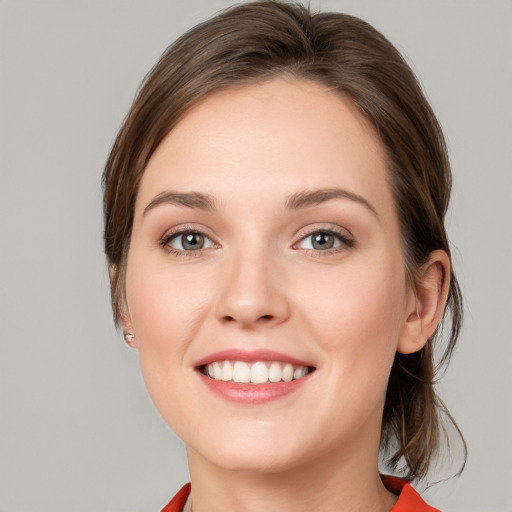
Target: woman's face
266 247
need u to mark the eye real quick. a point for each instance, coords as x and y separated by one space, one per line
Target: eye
325 240
187 241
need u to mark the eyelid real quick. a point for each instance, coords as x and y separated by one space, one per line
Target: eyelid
324 227
186 228
344 235
182 234
183 229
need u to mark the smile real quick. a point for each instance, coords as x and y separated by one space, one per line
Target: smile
258 372
253 376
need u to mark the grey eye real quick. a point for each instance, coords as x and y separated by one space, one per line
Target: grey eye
191 241
321 241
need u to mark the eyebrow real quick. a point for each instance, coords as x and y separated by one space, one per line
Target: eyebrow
194 200
307 198
296 201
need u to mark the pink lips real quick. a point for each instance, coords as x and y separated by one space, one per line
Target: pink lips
250 393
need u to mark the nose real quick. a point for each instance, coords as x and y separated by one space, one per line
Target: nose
252 293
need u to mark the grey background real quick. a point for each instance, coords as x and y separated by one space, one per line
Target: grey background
77 429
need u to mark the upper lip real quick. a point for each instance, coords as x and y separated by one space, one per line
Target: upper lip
250 356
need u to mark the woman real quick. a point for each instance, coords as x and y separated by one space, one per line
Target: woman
274 208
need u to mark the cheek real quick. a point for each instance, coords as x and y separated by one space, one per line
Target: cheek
166 311
358 325
361 317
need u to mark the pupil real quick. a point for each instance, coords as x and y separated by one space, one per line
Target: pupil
192 241
322 241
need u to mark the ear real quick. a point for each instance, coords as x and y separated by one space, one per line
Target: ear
426 303
128 334
124 314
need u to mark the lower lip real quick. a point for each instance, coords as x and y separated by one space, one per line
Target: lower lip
252 393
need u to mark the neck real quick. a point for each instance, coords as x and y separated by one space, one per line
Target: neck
331 484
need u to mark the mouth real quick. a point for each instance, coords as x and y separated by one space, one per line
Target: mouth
255 373
253 377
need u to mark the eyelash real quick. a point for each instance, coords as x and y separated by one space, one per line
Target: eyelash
167 239
346 242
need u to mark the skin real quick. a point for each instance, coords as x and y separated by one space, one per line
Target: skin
259 283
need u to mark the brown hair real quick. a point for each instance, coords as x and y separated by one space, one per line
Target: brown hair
263 39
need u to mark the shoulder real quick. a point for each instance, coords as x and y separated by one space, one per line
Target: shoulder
409 499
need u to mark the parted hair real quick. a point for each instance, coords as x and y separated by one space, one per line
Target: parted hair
257 41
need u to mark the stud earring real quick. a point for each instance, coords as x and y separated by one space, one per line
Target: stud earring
129 338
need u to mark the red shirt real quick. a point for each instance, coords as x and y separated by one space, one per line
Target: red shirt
408 499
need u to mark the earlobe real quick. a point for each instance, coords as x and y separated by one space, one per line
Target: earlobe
124 315
126 324
130 339
128 333
426 303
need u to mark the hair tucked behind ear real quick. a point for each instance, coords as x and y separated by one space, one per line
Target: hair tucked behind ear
256 41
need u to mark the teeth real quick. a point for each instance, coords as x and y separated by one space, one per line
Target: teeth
217 370
288 373
254 373
259 373
299 372
241 372
227 371
275 374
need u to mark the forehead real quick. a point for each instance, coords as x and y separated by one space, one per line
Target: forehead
268 139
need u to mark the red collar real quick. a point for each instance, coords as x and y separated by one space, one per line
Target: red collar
408 499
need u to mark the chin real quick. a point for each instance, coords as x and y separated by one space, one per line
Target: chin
251 453
254 463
